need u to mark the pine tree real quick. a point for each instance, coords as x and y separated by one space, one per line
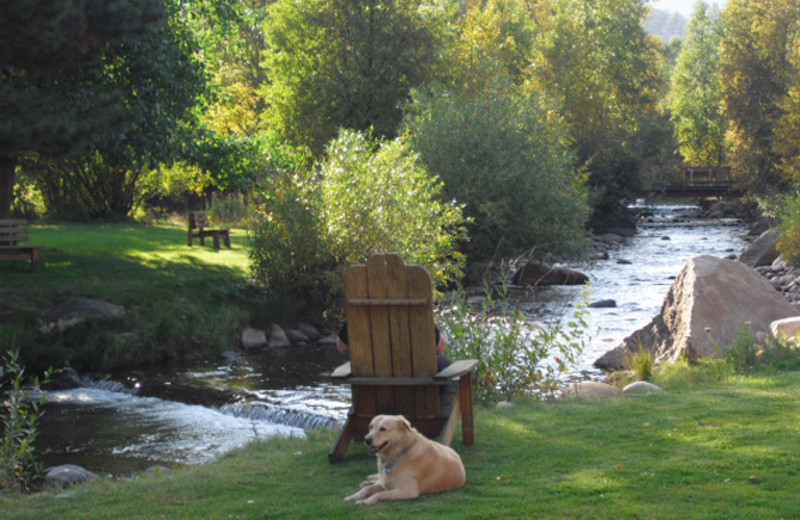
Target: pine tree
50 53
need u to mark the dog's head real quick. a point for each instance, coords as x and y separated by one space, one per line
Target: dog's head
387 433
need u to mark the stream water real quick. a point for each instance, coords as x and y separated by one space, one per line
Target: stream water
192 414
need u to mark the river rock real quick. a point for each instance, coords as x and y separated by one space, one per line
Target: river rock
67 475
641 387
591 390
603 304
534 273
296 337
701 315
310 331
71 314
328 340
278 337
253 338
761 251
65 379
786 329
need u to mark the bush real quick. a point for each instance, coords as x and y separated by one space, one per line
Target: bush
513 359
376 198
366 197
506 159
19 468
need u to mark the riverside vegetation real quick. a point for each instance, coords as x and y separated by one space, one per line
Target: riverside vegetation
719 442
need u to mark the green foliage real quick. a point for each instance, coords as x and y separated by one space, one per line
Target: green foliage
366 197
506 160
50 59
19 468
696 95
641 362
160 81
744 353
288 252
787 211
756 73
376 197
343 63
513 361
597 60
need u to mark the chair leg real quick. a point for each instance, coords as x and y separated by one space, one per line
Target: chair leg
449 427
342 443
215 236
467 417
227 238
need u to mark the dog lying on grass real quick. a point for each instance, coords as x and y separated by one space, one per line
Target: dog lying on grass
409 464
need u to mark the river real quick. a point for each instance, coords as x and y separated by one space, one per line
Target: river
192 414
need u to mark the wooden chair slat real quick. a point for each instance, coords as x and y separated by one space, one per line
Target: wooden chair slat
392 367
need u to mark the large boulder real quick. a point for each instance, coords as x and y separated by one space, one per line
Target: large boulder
534 273
707 304
761 251
74 313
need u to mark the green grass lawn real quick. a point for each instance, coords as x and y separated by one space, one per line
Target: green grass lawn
721 450
179 299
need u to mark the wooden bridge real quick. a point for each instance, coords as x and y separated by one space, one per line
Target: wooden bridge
699 181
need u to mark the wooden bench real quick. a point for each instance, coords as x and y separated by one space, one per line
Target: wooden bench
12 233
392 368
199 228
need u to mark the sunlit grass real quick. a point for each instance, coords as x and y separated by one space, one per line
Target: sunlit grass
179 299
713 449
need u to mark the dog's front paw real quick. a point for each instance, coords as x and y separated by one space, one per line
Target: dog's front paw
354 496
367 501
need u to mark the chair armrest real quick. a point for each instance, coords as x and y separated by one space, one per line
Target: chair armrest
342 371
457 369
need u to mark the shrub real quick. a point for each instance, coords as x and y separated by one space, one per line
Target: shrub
505 157
366 197
375 198
514 359
19 468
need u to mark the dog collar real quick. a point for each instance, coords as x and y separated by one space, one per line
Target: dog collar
389 467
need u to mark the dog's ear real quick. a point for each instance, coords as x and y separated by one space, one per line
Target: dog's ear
404 424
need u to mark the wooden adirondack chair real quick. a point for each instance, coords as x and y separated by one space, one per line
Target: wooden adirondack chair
392 366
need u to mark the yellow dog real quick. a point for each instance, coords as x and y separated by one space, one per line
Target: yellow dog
409 464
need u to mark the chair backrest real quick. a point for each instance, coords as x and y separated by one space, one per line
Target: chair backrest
391 335
198 219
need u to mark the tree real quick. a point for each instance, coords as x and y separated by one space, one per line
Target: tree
596 58
343 63
232 42
494 37
696 95
756 74
504 157
49 54
158 81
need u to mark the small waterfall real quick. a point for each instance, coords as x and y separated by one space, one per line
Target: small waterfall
260 411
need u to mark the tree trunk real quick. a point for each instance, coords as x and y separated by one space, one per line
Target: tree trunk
7 167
